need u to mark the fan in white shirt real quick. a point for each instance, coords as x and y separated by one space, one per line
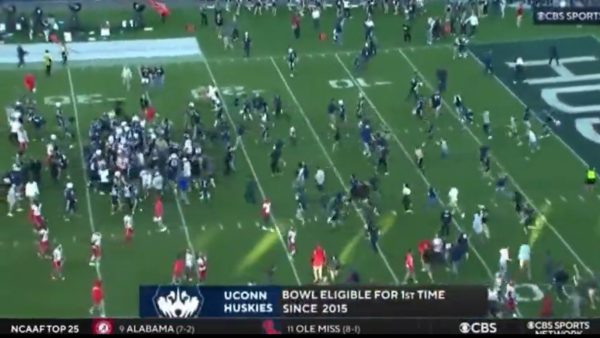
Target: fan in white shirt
320 179
31 190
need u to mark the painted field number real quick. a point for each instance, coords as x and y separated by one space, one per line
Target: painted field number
200 92
357 82
81 99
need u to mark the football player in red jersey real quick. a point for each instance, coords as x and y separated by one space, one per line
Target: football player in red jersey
178 269
318 260
202 266
409 265
97 299
29 82
520 11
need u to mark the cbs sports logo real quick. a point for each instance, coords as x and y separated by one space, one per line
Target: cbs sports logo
477 328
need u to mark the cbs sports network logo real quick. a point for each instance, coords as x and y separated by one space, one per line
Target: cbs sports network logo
566 12
516 326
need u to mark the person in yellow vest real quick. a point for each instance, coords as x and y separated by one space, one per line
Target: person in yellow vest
590 178
48 62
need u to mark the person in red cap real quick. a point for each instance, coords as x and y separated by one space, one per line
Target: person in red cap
97 299
29 82
318 261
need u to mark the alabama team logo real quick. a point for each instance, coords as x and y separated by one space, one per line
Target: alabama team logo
102 326
178 302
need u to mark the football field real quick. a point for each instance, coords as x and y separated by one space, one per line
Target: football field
228 229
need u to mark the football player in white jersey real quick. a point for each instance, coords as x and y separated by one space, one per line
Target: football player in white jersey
126 76
43 243
291 241
96 243
128 227
57 263
189 264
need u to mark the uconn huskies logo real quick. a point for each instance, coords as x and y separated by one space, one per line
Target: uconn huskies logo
178 302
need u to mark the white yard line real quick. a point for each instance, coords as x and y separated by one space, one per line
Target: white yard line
184 225
410 159
500 166
331 163
255 175
88 199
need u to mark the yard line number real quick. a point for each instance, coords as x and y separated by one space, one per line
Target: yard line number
81 99
359 82
200 92
528 292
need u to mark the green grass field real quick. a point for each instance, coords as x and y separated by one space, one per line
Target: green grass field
225 228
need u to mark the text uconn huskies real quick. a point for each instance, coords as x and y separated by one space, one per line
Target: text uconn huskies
247 302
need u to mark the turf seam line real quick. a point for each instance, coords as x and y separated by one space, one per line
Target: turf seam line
184 225
255 175
84 169
552 228
410 158
331 163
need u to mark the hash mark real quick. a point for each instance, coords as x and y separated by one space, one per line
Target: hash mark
149 232
15 244
450 128
239 225
112 236
221 226
257 225
564 199
406 131
527 158
581 198
203 227
74 239
548 201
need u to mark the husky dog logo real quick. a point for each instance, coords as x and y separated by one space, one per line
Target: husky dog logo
178 302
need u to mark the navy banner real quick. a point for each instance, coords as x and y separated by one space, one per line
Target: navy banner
315 301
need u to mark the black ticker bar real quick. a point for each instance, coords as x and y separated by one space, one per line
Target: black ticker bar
299 326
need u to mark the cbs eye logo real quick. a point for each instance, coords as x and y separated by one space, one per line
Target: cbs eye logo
541 16
464 328
483 327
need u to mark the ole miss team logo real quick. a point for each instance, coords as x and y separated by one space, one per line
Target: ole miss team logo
102 326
